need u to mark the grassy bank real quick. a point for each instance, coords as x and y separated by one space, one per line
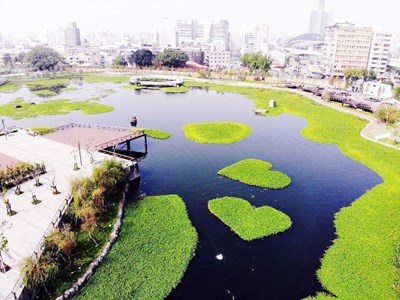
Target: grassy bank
247 221
257 173
10 87
151 255
360 263
216 132
95 78
44 93
54 107
179 89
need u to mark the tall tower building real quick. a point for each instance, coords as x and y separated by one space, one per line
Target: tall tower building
203 32
319 19
72 35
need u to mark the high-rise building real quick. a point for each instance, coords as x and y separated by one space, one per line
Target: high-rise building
72 35
379 52
346 46
190 32
319 19
254 39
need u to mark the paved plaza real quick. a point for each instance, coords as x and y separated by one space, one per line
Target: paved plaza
25 229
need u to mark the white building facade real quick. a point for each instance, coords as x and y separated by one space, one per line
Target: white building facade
218 60
379 52
346 46
254 39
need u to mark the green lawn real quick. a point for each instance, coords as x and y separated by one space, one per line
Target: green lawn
43 84
44 93
9 87
131 87
217 132
257 173
360 263
156 243
94 78
43 130
247 221
179 89
54 107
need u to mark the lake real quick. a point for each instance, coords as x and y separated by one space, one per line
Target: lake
281 266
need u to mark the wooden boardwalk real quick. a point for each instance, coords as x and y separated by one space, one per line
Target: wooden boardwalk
94 137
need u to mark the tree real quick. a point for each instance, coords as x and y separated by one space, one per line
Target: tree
256 61
397 92
396 135
353 74
119 61
43 59
109 175
141 58
3 246
7 59
62 239
388 114
36 272
172 58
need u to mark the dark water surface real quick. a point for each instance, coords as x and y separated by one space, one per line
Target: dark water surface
282 266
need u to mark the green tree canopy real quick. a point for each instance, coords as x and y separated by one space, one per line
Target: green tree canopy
172 58
119 61
42 58
141 58
397 92
256 61
357 73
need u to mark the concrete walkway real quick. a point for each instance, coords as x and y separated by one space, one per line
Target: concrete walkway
26 229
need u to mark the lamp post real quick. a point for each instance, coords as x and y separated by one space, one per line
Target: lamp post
4 127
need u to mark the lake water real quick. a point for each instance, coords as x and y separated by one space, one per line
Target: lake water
281 266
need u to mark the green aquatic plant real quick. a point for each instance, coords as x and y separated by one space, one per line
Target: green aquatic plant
247 221
156 243
217 132
257 173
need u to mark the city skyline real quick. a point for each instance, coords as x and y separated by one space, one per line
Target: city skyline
286 17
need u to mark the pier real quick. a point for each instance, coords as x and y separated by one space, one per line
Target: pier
164 81
83 145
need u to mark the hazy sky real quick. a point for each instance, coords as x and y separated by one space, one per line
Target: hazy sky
29 17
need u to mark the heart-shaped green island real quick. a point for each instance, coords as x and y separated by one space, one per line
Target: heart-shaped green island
247 221
257 173
216 132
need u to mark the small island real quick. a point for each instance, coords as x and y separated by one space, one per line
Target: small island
247 221
217 132
257 173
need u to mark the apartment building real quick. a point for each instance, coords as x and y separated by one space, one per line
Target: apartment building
218 60
379 52
192 32
72 35
254 39
346 46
